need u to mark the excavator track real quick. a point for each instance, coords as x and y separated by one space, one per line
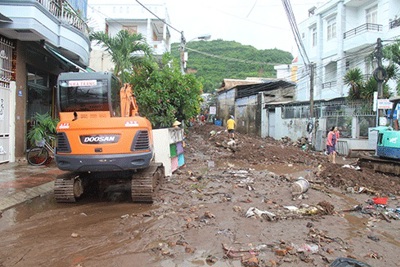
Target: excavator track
389 166
67 188
145 183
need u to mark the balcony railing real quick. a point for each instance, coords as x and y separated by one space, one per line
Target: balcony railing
363 28
329 84
394 23
65 13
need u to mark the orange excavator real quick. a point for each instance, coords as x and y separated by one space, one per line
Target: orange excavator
101 138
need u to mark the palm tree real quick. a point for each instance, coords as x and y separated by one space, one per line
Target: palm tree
354 78
127 51
371 86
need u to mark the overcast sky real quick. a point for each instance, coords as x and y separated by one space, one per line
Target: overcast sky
260 23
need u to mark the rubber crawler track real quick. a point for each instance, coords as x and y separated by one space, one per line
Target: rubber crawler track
145 183
64 187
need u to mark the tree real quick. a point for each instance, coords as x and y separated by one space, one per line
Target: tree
371 86
361 89
164 94
216 60
354 78
392 54
126 50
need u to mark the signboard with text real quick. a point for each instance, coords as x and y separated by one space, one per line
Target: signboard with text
384 104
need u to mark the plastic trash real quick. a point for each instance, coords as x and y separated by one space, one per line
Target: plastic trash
300 186
256 212
348 262
312 248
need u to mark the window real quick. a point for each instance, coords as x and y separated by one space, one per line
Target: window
314 37
331 29
83 95
130 29
371 15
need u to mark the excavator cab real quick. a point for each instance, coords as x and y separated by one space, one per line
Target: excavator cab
388 145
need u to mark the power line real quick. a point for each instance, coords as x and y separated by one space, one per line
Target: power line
293 25
166 23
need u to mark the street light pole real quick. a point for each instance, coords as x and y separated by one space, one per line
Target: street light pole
183 48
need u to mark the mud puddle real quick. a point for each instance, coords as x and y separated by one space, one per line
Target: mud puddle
98 201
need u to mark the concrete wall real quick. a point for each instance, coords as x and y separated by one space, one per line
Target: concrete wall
226 105
246 115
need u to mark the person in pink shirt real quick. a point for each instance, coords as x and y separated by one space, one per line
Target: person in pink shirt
331 141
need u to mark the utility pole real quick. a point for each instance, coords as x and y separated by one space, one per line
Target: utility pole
312 68
380 75
313 122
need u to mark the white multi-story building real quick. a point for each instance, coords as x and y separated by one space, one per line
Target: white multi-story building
111 17
341 35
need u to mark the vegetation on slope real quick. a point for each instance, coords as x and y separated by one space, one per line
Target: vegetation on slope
213 61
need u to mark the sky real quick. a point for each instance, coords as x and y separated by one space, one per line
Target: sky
259 23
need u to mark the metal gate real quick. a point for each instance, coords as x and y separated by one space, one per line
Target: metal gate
4 124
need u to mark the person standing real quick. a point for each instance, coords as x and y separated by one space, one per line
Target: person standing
331 141
230 126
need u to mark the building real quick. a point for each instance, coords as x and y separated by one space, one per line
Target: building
287 72
113 16
248 100
341 35
338 35
38 40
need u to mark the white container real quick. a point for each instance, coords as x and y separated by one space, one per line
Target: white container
300 186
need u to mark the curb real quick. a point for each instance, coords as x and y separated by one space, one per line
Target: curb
25 195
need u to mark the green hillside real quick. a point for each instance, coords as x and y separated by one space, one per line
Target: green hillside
213 61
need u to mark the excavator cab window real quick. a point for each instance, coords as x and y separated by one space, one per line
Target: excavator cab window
83 95
380 138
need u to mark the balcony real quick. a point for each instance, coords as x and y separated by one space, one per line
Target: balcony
367 27
329 84
361 36
66 14
58 25
394 23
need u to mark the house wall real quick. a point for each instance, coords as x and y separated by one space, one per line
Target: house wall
226 105
246 115
127 13
292 128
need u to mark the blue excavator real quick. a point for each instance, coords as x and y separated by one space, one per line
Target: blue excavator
387 156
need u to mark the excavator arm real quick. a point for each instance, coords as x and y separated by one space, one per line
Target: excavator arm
129 106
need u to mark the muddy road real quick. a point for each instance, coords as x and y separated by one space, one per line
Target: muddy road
225 207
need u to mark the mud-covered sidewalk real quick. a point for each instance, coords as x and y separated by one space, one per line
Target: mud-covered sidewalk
20 182
230 205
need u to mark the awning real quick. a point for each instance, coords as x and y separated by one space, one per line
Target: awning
66 60
5 19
